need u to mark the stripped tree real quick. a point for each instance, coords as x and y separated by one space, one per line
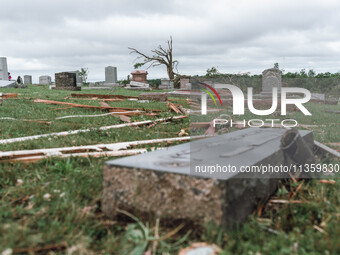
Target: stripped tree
161 56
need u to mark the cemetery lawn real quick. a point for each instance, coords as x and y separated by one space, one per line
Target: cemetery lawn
70 219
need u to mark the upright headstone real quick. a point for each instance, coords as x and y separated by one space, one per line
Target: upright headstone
165 84
27 79
111 74
45 80
184 81
271 78
79 80
66 81
3 69
139 76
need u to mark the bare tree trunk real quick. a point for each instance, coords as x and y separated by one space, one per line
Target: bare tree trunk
161 57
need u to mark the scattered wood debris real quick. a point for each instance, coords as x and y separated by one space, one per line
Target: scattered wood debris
182 133
99 150
282 201
201 249
10 95
73 132
125 118
332 182
184 110
118 114
173 107
128 111
81 105
103 104
320 229
37 121
42 249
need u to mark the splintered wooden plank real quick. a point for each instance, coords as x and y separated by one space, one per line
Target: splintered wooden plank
90 150
102 96
174 107
73 132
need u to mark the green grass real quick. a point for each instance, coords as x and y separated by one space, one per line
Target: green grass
72 215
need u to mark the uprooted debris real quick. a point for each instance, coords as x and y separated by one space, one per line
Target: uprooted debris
99 150
73 132
173 107
201 249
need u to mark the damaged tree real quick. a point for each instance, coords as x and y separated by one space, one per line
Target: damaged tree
161 56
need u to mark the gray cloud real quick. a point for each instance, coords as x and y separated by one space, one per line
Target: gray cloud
43 37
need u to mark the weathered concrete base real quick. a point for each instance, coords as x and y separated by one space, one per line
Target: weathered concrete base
163 87
161 183
67 88
154 96
139 88
104 88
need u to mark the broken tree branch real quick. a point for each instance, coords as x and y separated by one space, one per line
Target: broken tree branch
73 132
99 150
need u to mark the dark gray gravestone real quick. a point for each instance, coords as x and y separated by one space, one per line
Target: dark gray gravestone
66 81
165 183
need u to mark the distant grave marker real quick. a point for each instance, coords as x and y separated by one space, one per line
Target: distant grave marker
66 81
45 80
27 79
111 75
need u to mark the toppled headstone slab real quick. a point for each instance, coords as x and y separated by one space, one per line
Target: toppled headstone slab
164 184
8 84
66 81
154 96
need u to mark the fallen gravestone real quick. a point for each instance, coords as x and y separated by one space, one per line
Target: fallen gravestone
8 84
66 81
166 184
154 96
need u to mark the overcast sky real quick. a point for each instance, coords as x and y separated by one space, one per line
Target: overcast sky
41 37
